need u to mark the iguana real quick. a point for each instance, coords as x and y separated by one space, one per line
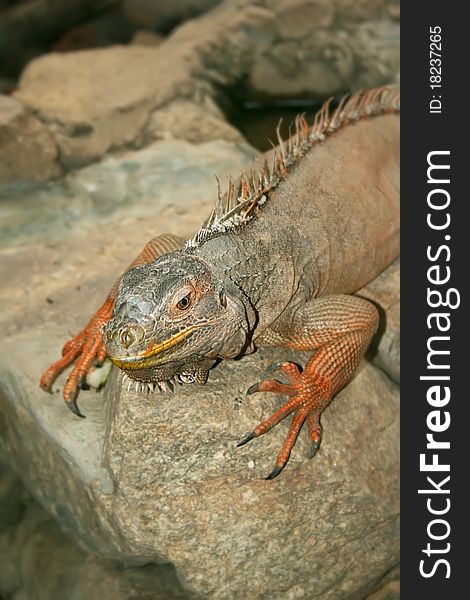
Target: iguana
308 224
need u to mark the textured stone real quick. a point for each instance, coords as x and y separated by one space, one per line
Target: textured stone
92 100
38 561
104 99
27 149
199 124
217 515
172 179
390 591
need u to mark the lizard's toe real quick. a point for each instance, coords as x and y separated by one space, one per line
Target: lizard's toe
289 369
306 402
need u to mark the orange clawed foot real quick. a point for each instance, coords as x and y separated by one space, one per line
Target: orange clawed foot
88 346
308 397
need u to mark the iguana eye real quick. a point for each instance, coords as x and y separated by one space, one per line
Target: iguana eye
185 302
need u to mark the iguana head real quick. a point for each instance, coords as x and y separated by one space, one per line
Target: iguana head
174 318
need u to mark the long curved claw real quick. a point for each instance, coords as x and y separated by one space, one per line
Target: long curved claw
77 378
313 449
247 439
272 385
252 389
72 405
275 472
287 368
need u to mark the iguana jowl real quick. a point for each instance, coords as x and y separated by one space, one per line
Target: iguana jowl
309 223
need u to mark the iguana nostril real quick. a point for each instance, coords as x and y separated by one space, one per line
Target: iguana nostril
127 338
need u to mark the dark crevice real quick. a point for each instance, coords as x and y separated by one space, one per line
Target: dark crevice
258 117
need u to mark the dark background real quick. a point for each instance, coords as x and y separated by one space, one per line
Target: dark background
422 133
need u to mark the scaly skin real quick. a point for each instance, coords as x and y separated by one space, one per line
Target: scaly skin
273 266
88 345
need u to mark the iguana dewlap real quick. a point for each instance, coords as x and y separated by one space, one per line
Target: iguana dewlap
308 224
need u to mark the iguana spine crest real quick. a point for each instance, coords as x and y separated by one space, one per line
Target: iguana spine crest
241 201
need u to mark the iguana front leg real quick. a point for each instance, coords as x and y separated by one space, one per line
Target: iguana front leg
88 345
339 329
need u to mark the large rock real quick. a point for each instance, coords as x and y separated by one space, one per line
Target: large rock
37 560
200 123
27 148
35 554
173 180
104 99
95 99
203 504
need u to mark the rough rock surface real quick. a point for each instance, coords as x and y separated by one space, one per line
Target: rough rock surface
27 148
37 560
157 480
200 123
99 100
311 532
390 591
172 179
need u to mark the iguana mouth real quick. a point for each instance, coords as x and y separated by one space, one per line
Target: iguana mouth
168 384
152 355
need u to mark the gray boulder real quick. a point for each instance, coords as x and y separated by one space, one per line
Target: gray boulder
27 148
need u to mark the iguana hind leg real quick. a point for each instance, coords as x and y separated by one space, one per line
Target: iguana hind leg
87 346
339 330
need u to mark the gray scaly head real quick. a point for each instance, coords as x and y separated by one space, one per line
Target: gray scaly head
172 320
